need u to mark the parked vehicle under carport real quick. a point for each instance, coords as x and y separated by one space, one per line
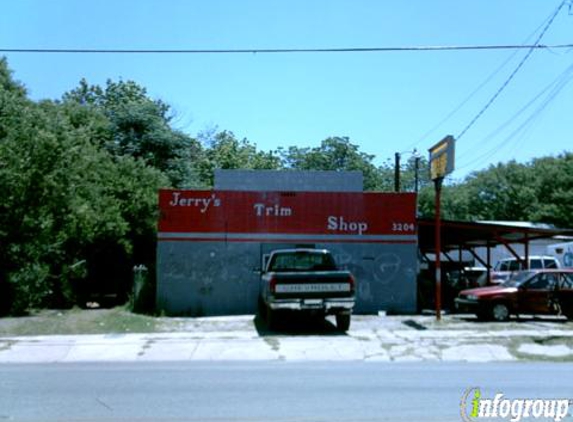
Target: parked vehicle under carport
543 291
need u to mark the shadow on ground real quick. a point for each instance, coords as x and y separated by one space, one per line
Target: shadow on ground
414 324
295 324
517 319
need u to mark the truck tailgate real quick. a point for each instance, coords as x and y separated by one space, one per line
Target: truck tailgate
313 285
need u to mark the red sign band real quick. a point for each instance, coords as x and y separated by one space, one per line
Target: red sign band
355 214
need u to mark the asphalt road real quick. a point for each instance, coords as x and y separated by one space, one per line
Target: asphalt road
265 391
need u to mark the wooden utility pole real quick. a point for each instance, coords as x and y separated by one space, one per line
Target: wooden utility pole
397 186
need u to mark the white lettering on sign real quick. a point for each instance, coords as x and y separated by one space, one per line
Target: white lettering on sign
339 224
202 203
262 210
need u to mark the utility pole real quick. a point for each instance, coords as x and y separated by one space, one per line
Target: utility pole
416 171
416 178
397 172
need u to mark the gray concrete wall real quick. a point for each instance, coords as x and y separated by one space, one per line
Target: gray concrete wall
207 278
218 278
285 180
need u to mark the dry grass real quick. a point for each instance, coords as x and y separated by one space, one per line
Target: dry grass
78 321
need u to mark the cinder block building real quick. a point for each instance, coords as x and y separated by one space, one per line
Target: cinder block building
211 244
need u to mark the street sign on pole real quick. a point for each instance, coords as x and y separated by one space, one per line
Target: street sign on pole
441 164
442 158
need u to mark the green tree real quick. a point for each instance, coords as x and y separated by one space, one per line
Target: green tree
335 153
453 202
9 86
222 150
140 127
70 208
408 172
502 192
554 190
539 191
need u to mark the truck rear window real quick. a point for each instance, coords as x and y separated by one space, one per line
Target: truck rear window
302 261
508 265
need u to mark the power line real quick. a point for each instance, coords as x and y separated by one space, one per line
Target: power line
284 50
552 90
481 85
551 86
512 75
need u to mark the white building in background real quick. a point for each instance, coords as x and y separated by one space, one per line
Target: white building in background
560 247
563 251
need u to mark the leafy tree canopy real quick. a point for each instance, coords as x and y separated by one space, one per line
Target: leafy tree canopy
538 191
64 200
334 153
138 126
222 150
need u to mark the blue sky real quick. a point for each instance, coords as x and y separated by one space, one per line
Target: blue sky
384 102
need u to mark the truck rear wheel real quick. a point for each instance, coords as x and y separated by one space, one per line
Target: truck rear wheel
261 307
271 318
343 322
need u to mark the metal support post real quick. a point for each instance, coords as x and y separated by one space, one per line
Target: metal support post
438 248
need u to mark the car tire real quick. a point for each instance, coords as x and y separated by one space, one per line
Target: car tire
500 312
261 307
343 322
270 318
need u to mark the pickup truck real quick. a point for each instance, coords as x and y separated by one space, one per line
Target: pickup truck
306 280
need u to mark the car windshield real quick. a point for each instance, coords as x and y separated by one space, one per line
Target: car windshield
302 261
518 278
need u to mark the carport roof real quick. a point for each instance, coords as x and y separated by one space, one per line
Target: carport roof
464 234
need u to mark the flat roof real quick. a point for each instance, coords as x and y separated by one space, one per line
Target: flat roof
479 234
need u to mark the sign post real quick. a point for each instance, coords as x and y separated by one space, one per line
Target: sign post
441 164
438 247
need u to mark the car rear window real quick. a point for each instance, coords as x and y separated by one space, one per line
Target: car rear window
508 265
302 261
515 265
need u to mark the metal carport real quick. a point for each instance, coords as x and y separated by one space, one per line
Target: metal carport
459 236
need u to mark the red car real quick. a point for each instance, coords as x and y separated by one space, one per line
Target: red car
543 291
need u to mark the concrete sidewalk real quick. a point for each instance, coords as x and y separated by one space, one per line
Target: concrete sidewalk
371 338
